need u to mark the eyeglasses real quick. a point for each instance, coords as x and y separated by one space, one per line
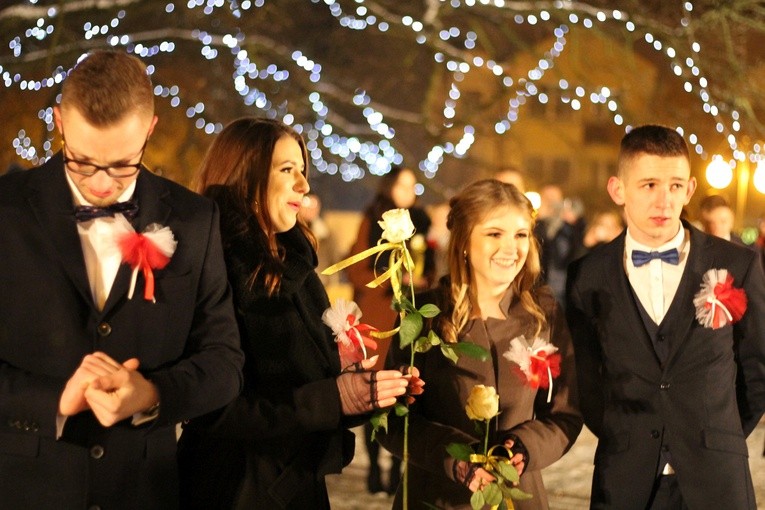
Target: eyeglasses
115 171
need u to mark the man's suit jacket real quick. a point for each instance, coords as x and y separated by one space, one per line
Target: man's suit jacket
187 343
697 407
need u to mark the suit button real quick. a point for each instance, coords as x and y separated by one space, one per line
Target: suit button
97 451
104 329
655 434
661 338
664 386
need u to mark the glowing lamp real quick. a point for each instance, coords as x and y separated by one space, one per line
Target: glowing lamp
719 173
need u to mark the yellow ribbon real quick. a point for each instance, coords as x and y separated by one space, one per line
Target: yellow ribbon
489 460
399 256
359 256
384 334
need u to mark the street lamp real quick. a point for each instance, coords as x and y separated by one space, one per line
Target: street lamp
759 176
719 172
719 175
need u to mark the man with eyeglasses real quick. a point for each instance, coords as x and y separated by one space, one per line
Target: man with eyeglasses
103 350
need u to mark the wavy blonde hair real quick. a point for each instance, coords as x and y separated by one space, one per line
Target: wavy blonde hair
468 209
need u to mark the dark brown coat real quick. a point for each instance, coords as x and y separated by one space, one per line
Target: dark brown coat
438 418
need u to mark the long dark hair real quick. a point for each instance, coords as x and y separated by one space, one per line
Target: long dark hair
239 159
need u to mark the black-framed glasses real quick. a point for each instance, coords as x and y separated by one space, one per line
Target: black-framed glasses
88 169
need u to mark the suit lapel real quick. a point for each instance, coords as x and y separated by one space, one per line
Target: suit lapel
625 303
152 208
51 202
682 313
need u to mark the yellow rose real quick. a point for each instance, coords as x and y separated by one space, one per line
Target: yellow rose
397 225
482 403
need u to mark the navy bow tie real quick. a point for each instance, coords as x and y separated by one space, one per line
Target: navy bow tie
86 212
640 258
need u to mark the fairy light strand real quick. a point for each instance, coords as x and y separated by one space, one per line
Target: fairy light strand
353 156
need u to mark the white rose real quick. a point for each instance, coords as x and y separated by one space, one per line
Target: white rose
397 225
482 403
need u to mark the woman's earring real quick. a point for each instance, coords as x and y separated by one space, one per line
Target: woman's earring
464 254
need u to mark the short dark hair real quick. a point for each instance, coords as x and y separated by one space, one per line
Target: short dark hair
712 202
654 140
106 86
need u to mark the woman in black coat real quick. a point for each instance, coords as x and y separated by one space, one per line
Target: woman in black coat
273 445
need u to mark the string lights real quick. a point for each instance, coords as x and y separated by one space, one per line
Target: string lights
352 155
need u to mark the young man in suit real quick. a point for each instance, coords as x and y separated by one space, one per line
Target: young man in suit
96 370
670 399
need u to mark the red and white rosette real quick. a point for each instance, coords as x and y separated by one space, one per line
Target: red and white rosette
719 303
538 361
149 250
352 343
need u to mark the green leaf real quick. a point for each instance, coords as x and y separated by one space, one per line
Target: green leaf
411 327
429 311
404 305
491 494
422 345
508 472
477 500
434 338
379 420
400 410
459 451
448 351
519 495
503 505
471 350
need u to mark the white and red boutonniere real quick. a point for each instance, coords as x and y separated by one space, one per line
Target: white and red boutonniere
145 252
538 361
352 343
719 303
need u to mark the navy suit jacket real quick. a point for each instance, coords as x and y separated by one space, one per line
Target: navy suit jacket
698 405
187 343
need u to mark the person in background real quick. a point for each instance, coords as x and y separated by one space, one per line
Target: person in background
603 229
14 168
670 392
310 211
493 298
272 446
717 218
759 244
512 175
396 189
95 372
559 232
438 237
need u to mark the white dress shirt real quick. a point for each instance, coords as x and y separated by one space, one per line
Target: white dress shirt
102 256
656 282
102 261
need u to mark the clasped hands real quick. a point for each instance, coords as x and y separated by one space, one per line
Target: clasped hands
475 477
363 389
113 391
